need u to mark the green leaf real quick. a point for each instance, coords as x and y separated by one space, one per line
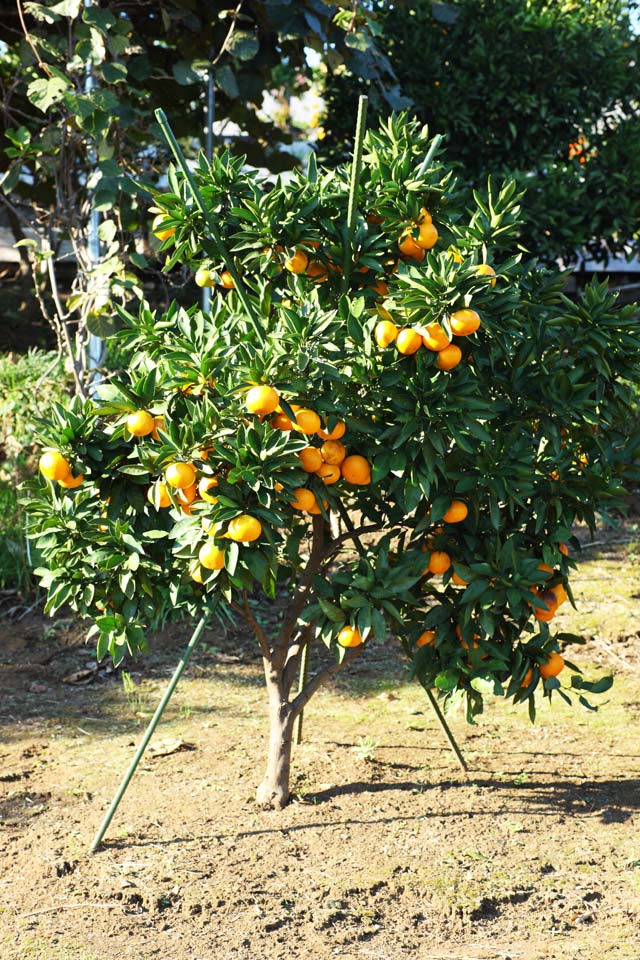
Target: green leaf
597 686
43 94
447 680
243 45
114 72
226 81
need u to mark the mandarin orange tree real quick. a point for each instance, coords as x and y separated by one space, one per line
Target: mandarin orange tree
387 424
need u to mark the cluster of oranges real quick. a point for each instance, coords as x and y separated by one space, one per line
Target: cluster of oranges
432 336
55 467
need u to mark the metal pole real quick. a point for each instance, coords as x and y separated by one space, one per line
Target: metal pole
445 726
193 642
211 107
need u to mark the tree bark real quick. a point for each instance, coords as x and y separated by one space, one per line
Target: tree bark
273 792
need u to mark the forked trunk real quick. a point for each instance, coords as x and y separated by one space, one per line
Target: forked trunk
273 792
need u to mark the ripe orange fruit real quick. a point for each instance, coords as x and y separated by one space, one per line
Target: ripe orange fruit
204 278
381 288
164 500
311 459
426 639
456 512
434 337
162 233
564 549
297 263
211 557
349 637
197 575
180 475
140 423
315 509
385 333
545 567
439 561
329 473
226 280
317 271
528 677
333 451
410 247
187 495
424 216
427 236
338 431
408 341
205 485
356 469
70 483
553 666
560 593
158 424
455 255
244 529
551 602
450 357
304 499
262 400
484 270
282 422
308 421
374 218
53 465
458 580
464 322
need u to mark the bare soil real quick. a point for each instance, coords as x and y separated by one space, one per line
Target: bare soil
387 851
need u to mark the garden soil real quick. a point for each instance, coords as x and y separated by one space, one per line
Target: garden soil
387 851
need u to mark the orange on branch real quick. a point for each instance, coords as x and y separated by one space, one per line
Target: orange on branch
450 357
211 557
439 561
297 263
408 341
304 499
356 469
244 529
333 451
456 513
262 400
349 637
426 639
553 666
308 421
140 423
434 337
180 475
464 322
311 458
53 465
338 431
329 473
385 333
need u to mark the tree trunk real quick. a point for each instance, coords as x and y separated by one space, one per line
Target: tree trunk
273 792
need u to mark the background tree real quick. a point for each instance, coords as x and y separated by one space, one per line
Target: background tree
545 92
79 85
387 424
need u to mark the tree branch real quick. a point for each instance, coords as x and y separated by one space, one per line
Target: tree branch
41 64
247 613
321 678
301 593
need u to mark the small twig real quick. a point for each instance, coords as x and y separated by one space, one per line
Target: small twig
263 640
234 18
41 64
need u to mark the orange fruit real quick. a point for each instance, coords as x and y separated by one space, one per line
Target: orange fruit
439 561
484 270
140 423
304 499
53 465
315 509
205 485
374 218
450 357
385 333
408 341
164 500
158 424
545 567
458 580
349 637
70 483
553 666
180 475
311 459
333 451
188 494
464 322
244 529
297 263
329 473
211 557
528 677
282 422
278 487
308 421
197 575
564 549
338 431
551 602
356 469
226 280
381 288
560 593
455 255
427 236
262 400
424 216
317 271
426 639
434 337
162 233
456 513
410 247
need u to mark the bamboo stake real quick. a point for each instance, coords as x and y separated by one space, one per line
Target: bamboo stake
193 642
302 682
447 730
354 183
221 247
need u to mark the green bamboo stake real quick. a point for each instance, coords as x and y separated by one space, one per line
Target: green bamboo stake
354 183
447 730
193 642
221 247
302 682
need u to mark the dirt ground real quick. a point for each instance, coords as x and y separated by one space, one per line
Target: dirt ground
387 852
